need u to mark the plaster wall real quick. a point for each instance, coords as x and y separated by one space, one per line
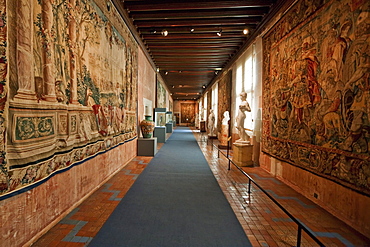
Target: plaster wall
26 216
146 85
342 202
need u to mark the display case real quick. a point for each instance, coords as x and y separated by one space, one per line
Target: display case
169 117
160 124
169 125
160 117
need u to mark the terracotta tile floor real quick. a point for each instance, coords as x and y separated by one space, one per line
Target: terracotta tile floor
264 223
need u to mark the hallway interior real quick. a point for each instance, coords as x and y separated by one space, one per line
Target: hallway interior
263 222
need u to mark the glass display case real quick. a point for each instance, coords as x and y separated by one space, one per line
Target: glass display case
160 117
169 117
169 125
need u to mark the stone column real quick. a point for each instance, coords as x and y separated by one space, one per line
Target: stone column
48 52
26 85
72 53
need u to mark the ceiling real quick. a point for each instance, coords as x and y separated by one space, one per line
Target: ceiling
192 54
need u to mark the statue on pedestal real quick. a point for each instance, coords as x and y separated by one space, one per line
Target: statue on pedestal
224 130
240 118
211 123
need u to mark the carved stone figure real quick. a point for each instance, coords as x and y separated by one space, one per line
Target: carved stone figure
211 123
224 130
240 118
225 120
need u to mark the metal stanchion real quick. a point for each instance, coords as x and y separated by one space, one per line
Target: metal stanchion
227 154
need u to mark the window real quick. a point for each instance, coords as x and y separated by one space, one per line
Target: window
245 81
214 106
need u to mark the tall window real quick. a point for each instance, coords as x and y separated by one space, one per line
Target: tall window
215 101
205 105
245 81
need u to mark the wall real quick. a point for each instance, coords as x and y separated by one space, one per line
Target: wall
185 109
316 98
26 216
68 92
146 87
344 203
312 104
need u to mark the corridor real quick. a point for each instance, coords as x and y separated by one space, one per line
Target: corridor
263 222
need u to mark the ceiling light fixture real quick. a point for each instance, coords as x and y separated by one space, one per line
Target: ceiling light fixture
108 5
219 33
166 73
164 32
204 86
192 30
245 31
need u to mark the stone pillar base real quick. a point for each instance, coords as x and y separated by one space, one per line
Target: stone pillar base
243 154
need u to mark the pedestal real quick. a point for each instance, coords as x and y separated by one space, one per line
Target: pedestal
224 136
160 133
169 127
243 154
203 126
147 146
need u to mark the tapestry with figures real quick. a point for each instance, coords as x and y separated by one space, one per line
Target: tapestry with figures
72 88
224 97
316 101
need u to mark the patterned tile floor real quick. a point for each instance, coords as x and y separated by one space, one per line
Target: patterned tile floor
264 223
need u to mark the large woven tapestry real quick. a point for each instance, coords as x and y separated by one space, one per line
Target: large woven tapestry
224 97
161 95
72 88
316 105
188 113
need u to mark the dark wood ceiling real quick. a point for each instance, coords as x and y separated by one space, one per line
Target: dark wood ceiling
192 54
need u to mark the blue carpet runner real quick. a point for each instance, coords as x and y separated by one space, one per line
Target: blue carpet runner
175 201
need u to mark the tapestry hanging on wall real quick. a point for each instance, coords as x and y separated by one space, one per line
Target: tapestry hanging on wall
188 113
316 106
224 97
72 85
161 95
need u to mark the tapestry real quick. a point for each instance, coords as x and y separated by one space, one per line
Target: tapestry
224 97
188 113
316 101
161 95
73 84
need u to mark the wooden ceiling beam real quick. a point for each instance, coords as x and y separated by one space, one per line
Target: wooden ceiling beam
214 38
176 5
198 22
156 31
160 15
170 45
187 52
198 54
